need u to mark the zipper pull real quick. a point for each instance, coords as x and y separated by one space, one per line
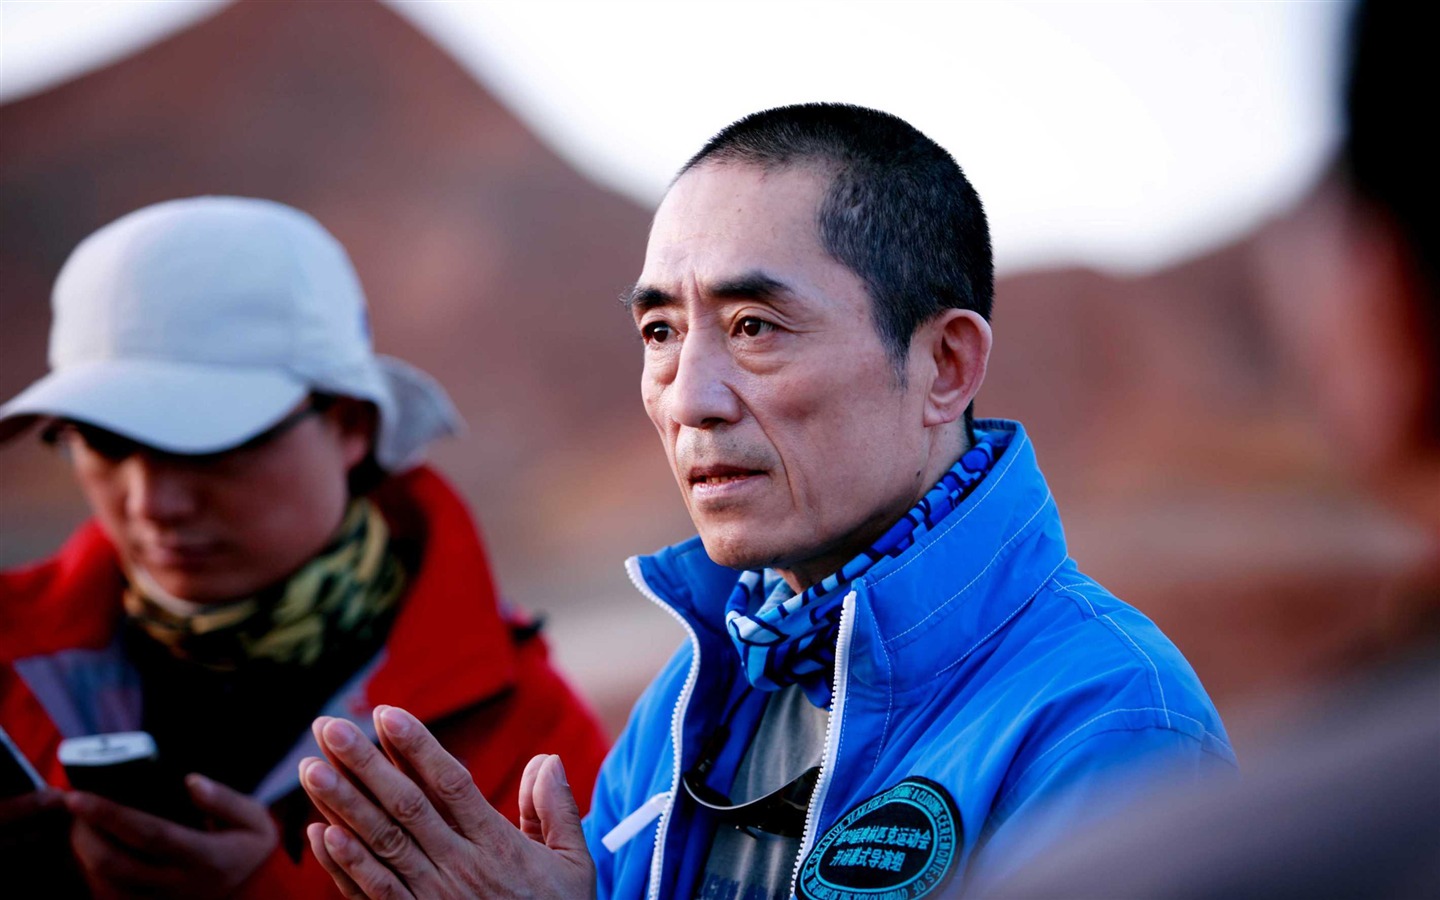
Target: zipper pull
636 822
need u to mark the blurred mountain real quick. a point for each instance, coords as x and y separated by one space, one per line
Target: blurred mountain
487 261
1157 407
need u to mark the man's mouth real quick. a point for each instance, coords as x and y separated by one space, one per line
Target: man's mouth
177 554
718 475
722 484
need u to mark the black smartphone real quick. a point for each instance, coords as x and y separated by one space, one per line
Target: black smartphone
126 767
17 776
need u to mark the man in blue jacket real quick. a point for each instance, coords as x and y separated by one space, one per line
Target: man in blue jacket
896 682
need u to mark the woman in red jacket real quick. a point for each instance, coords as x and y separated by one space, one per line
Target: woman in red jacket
265 548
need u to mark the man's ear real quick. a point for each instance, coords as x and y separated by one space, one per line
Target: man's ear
357 423
957 344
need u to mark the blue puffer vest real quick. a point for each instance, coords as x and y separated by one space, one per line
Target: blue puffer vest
986 694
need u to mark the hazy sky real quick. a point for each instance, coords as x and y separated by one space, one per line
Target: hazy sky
1118 134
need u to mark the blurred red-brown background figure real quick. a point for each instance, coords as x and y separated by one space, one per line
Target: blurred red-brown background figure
1348 803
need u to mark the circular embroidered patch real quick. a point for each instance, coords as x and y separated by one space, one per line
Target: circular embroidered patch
898 845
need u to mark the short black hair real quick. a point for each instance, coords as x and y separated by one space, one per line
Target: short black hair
898 212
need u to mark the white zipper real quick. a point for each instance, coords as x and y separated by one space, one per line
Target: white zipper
832 732
677 719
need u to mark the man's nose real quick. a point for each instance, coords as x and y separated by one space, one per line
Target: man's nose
156 490
702 394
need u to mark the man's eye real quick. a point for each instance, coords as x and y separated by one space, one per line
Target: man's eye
750 326
655 332
111 447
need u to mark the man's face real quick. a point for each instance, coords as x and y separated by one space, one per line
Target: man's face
792 441
217 528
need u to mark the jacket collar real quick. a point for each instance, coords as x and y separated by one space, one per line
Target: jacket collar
450 645
940 600
953 591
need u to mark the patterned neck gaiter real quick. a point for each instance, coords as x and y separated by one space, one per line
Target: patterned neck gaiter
784 638
347 593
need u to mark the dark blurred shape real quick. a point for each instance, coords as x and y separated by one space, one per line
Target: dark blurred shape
1192 479
35 846
1348 806
1389 151
1347 809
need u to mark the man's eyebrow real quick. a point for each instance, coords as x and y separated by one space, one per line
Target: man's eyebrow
752 286
749 286
643 298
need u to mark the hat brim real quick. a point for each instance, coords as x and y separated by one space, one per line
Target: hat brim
176 407
418 413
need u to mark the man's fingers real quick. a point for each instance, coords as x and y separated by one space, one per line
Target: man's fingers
556 809
317 728
228 805
315 833
17 809
132 828
330 815
395 791
529 817
370 877
443 776
391 839
403 765
110 863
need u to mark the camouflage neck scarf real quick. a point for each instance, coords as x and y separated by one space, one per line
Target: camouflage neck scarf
346 594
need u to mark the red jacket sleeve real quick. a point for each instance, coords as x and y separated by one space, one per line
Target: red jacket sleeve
494 740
